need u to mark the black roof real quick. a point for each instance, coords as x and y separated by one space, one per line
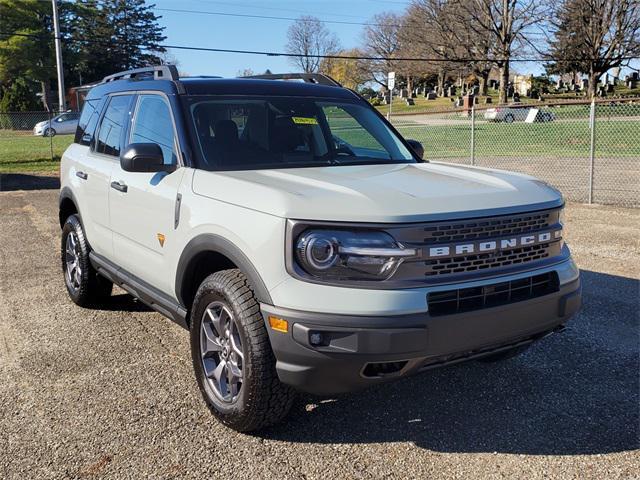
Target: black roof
224 86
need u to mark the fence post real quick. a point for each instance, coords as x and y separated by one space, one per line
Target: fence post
592 147
473 134
50 117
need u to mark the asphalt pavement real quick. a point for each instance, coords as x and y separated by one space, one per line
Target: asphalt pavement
110 393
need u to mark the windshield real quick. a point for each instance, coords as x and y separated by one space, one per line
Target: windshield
289 132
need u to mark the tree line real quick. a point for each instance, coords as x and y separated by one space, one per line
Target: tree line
461 38
98 38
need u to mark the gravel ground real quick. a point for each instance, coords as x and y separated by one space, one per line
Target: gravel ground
110 392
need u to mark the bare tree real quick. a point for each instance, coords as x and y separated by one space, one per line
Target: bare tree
593 36
309 37
381 40
432 29
505 24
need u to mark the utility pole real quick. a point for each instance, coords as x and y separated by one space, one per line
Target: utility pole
62 105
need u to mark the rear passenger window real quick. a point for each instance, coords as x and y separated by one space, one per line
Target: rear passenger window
153 124
88 121
113 123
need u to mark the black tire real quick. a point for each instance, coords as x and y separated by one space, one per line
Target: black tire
49 132
261 400
508 118
506 355
84 285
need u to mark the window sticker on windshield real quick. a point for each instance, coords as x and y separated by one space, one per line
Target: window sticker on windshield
304 120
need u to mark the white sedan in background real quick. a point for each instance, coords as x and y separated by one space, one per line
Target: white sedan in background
59 125
518 114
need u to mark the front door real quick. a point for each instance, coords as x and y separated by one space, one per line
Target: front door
142 205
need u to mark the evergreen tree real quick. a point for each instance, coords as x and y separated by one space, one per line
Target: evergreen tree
98 38
116 35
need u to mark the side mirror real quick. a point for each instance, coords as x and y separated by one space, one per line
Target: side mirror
144 157
417 147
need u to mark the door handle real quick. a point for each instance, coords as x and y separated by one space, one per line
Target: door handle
121 187
81 175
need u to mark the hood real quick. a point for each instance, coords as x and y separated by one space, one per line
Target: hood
378 193
42 124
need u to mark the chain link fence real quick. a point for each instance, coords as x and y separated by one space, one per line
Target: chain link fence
589 151
34 141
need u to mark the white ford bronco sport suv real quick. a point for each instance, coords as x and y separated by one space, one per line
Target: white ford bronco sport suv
302 241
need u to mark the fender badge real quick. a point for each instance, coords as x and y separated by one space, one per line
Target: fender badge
160 239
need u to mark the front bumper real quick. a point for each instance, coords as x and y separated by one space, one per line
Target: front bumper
359 351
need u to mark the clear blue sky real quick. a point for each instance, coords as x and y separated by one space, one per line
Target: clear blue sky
256 34
215 31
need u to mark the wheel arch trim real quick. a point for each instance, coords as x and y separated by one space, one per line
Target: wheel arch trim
208 242
67 194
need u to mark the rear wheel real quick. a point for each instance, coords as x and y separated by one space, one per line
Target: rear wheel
232 356
84 285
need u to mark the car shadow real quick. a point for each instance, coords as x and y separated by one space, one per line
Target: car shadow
122 302
19 181
572 393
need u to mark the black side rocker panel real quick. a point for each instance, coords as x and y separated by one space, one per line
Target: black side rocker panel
153 297
208 242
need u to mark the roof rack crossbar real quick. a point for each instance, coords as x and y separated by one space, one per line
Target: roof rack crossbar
317 78
159 72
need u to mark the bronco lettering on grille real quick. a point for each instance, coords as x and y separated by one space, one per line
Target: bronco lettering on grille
491 246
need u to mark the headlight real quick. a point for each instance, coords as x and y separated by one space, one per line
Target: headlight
561 217
349 255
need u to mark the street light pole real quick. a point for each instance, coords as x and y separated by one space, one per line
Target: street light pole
56 29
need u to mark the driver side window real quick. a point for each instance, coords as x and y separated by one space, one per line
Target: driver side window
153 124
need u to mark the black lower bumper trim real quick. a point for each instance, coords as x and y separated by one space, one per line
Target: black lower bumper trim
350 343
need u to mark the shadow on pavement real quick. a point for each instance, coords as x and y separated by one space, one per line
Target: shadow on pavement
572 393
18 181
122 303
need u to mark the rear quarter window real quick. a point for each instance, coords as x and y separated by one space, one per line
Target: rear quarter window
88 121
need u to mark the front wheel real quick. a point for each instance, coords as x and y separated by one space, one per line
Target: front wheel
49 132
509 118
232 356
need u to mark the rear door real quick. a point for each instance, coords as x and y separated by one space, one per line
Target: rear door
143 205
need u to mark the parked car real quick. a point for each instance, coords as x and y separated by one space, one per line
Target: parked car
512 114
64 123
300 239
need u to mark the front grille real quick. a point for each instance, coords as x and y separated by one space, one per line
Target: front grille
477 298
479 229
427 269
470 263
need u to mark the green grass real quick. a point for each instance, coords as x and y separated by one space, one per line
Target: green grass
22 152
568 137
614 138
523 140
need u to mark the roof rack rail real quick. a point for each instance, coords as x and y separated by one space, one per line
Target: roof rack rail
157 72
317 78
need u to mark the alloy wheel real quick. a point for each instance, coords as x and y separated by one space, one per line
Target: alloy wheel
73 269
221 352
